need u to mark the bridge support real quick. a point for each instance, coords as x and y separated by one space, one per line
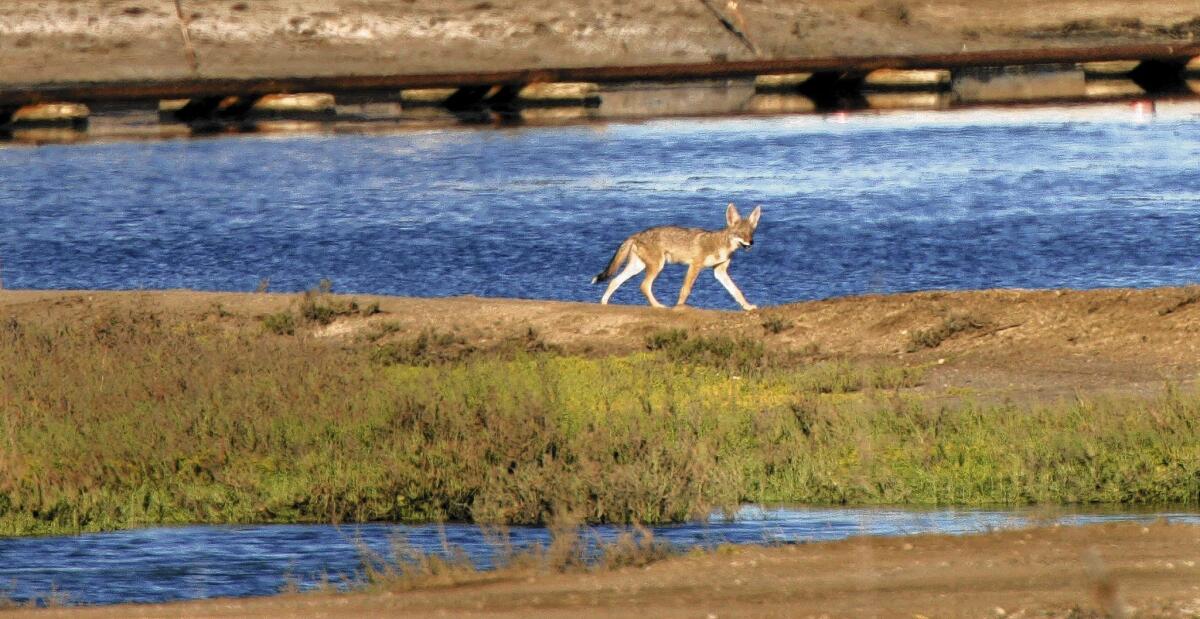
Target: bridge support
201 108
828 90
1161 76
213 109
467 98
835 90
504 102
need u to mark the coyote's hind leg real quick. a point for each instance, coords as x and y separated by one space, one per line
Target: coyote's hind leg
653 268
633 267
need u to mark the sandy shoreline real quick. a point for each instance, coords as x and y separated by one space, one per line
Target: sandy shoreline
1028 344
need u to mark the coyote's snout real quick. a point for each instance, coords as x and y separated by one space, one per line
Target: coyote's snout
650 249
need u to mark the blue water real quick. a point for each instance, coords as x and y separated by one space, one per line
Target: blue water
1060 197
163 564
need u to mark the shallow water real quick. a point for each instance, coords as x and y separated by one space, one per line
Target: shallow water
175 563
1055 197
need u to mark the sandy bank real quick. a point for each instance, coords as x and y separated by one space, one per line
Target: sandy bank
1025 343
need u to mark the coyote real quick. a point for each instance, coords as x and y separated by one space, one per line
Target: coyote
650 249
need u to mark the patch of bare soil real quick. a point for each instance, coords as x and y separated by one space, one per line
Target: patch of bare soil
69 40
1023 344
1123 570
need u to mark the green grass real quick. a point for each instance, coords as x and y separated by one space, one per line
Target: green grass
127 420
280 323
741 354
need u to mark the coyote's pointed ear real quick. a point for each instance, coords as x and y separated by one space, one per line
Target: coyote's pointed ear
731 215
755 215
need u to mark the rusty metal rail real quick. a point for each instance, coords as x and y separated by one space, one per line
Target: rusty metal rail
191 88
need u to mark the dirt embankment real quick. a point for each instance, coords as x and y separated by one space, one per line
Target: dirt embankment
69 40
1126 570
1030 344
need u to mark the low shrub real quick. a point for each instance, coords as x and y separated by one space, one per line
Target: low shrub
950 326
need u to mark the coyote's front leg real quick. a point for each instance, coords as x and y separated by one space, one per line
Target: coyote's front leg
688 281
721 272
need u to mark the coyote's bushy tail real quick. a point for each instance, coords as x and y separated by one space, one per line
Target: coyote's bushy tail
618 257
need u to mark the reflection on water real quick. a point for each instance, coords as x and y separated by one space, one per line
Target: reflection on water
159 564
1054 197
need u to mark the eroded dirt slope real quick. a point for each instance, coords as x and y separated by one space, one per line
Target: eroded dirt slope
67 40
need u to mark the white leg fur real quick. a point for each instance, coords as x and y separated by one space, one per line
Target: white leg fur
721 272
633 267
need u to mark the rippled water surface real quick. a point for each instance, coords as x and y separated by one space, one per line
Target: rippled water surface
1057 197
160 564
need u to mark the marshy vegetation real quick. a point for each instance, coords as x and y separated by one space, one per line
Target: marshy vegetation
571 548
129 418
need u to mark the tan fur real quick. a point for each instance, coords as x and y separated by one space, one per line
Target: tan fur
651 249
